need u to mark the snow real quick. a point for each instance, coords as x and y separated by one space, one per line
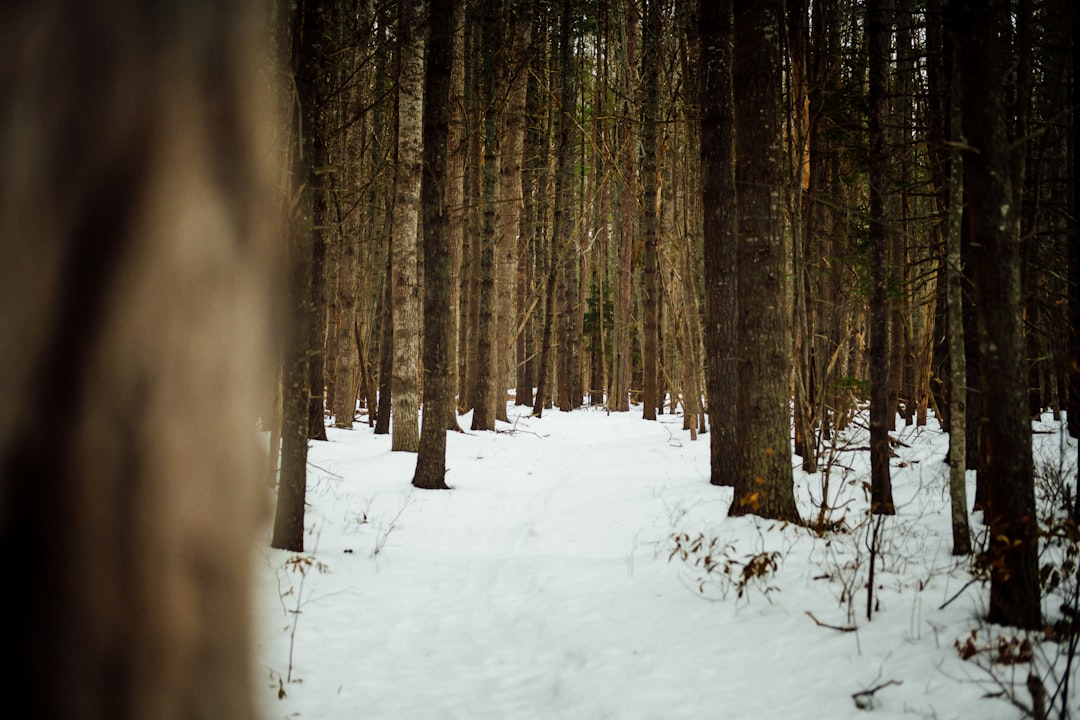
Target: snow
541 586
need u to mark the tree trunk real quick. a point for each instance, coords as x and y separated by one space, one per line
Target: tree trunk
1073 365
135 248
531 279
297 419
316 324
881 404
626 229
486 351
514 68
386 348
438 334
563 232
718 188
954 278
650 70
346 370
763 481
474 109
405 435
798 144
1013 537
457 151
546 340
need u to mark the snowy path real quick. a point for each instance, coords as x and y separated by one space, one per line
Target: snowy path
540 588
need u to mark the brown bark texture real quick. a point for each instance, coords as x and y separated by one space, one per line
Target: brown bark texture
405 430
995 251
763 480
137 163
718 188
438 335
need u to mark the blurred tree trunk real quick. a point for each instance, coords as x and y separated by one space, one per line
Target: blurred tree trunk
137 245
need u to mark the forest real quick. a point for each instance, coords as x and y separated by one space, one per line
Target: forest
558 318
763 218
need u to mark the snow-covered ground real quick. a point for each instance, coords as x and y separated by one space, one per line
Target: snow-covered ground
541 585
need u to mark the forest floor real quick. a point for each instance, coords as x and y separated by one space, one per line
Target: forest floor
583 567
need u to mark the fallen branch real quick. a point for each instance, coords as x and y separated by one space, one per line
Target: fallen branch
864 699
841 628
959 592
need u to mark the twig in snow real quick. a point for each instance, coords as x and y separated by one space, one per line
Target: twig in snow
841 628
958 593
864 699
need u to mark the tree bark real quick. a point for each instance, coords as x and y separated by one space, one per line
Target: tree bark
1073 365
438 334
405 434
650 70
386 347
1013 537
954 278
718 188
626 228
346 370
457 151
763 481
881 402
136 247
510 193
563 232
297 425
486 351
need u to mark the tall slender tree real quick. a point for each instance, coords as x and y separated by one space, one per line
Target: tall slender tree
1073 365
881 405
406 314
564 234
626 49
457 151
718 188
954 277
515 72
486 369
438 334
307 66
650 70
